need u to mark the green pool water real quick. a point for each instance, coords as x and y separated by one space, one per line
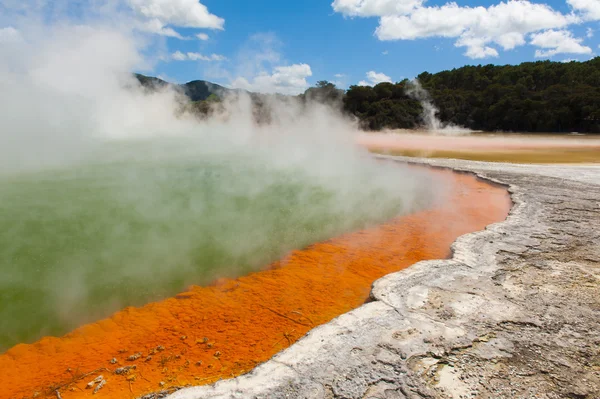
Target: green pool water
80 242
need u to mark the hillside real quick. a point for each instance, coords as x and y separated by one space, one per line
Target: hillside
539 96
196 90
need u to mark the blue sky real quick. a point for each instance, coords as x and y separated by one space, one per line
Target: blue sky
286 46
333 43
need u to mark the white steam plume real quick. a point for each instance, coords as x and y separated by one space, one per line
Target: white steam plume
429 115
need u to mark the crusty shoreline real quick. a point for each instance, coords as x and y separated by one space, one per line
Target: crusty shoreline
514 314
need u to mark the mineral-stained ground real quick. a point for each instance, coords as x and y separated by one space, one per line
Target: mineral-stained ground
514 314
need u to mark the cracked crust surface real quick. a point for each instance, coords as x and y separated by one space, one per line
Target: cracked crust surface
514 314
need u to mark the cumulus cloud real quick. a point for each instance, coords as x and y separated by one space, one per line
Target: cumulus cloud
202 36
157 27
558 42
589 8
374 78
373 8
186 13
510 40
191 56
481 30
504 24
476 47
159 16
283 79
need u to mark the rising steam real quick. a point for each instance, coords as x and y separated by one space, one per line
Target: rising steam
429 115
111 197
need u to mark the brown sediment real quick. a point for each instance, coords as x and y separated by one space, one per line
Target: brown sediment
221 331
516 148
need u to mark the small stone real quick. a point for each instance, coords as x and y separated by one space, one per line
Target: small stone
94 382
125 370
134 357
99 387
113 360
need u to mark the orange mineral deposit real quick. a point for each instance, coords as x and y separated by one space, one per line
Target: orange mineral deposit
226 329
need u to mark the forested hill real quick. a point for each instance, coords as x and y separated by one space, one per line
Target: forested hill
196 90
531 97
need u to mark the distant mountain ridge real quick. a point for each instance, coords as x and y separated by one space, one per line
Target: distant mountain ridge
196 90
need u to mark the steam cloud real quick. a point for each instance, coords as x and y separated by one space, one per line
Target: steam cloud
110 198
430 111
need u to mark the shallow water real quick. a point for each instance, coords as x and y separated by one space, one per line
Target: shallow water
134 225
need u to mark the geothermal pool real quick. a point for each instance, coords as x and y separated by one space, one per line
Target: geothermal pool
226 328
136 224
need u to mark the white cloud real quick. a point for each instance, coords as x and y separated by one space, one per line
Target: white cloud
505 24
510 40
589 33
157 27
179 56
339 75
475 27
374 78
190 56
202 36
558 42
589 8
283 79
10 35
385 52
569 60
476 47
157 15
186 13
373 8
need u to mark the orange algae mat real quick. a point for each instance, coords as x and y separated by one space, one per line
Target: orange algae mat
224 330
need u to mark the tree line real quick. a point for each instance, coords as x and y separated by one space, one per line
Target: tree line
539 96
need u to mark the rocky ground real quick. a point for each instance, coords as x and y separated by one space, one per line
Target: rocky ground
514 314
